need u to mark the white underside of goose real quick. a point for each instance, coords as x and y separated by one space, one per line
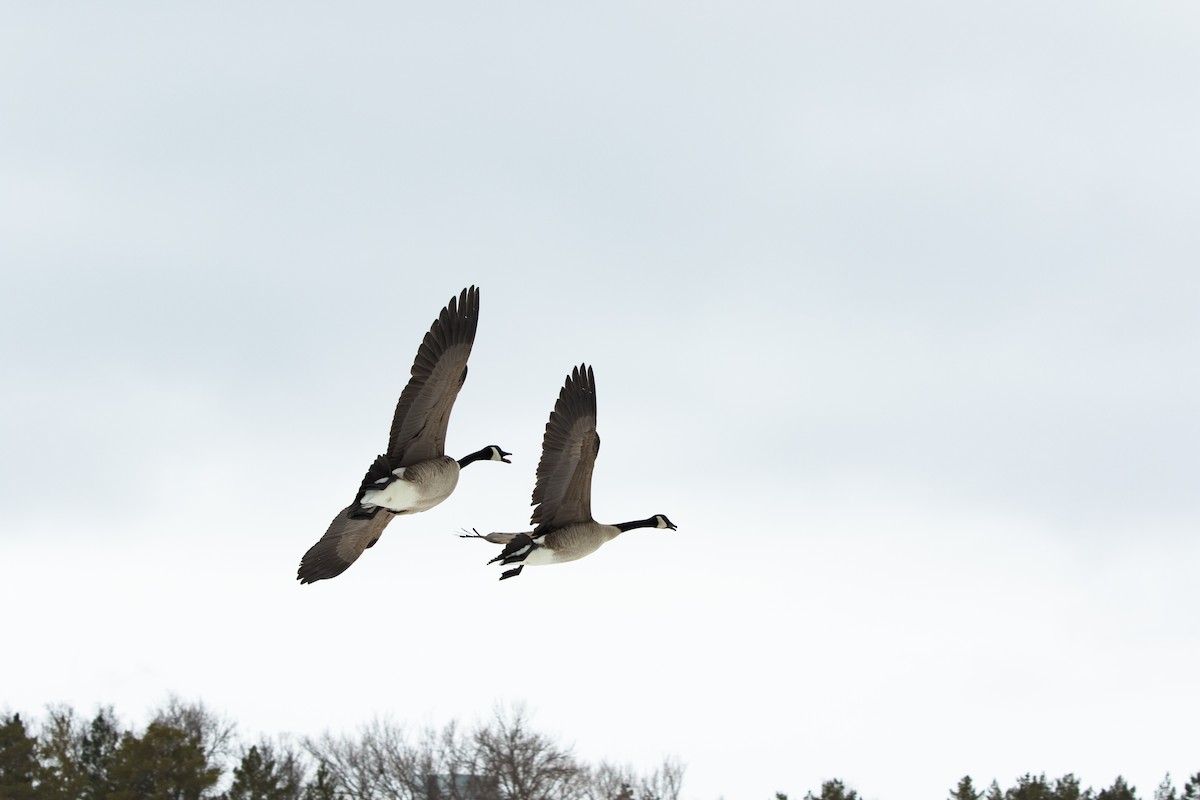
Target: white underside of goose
544 555
415 489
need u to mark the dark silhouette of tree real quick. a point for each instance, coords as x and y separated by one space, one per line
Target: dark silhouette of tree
60 776
208 729
1120 790
993 792
321 787
833 790
1191 789
965 790
18 760
1030 787
1166 789
75 756
1067 788
97 752
164 763
264 774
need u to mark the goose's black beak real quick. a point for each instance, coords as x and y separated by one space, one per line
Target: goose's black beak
672 526
504 457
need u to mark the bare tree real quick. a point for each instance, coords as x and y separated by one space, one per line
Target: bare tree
612 782
501 759
213 732
664 783
349 764
526 765
60 749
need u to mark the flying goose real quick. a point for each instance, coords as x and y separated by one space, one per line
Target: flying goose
414 474
563 495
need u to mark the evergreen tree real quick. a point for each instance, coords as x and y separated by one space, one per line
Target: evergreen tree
97 752
1166 789
18 760
321 787
1120 790
1191 789
1030 787
833 790
993 792
1067 788
965 790
165 763
260 776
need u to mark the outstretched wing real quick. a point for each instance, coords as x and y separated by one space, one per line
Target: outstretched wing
423 413
563 493
342 544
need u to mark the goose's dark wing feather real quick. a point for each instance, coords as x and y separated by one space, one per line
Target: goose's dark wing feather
563 493
423 413
342 544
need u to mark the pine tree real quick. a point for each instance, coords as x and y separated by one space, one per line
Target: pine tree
1166 789
1191 789
993 792
1120 790
165 763
965 790
259 776
97 752
18 760
1030 787
833 790
1067 788
321 787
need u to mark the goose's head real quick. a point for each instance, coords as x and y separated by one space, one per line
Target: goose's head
661 521
498 454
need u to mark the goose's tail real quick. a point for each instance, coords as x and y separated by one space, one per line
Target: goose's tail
517 547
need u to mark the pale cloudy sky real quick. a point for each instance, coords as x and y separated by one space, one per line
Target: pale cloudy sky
894 309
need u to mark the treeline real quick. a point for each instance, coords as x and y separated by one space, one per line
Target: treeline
1032 787
187 752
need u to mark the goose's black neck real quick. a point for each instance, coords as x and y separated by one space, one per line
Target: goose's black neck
649 522
493 452
478 455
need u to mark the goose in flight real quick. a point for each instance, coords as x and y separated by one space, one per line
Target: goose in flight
563 495
414 474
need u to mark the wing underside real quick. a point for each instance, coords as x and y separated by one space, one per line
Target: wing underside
343 542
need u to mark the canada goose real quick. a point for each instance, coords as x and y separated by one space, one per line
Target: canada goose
563 495
414 474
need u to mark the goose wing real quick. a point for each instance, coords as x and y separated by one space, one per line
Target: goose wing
423 413
342 544
563 493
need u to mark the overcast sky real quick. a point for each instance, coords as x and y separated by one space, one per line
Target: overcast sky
894 309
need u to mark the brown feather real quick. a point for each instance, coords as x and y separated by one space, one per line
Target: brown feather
342 544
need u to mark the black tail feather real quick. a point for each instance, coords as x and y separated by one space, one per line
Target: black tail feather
517 550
